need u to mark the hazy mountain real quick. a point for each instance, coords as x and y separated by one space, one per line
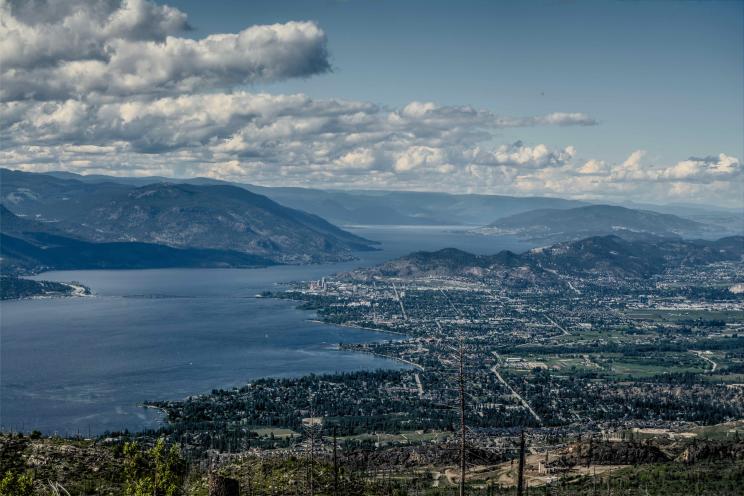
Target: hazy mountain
28 246
409 207
595 220
358 207
598 254
178 215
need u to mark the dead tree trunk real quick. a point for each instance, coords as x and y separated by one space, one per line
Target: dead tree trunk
335 464
520 477
462 418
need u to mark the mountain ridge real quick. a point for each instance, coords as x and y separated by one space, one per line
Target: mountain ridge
608 255
360 206
26 247
220 217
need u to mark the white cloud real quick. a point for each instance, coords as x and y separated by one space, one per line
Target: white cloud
694 170
419 156
359 158
703 170
248 124
593 167
294 139
553 119
116 86
45 33
132 47
517 154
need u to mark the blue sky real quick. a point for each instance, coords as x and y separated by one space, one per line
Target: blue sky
663 76
622 100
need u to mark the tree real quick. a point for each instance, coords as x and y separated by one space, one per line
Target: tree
155 472
17 484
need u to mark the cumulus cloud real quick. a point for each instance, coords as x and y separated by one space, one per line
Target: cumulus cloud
56 50
693 170
47 32
419 156
100 85
117 86
637 178
593 167
285 129
517 154
294 139
708 169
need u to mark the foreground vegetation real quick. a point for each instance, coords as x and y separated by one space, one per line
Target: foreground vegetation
113 466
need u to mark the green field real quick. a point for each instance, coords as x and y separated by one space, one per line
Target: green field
621 366
402 437
279 432
674 316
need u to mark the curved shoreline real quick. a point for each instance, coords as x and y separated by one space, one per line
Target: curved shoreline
352 326
397 359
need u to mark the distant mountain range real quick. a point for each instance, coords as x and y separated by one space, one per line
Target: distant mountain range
608 255
75 221
359 207
595 220
188 216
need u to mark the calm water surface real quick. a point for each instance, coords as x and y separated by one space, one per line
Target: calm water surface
85 364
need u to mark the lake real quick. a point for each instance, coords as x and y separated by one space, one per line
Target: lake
84 365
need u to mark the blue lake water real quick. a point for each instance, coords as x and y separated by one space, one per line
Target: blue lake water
85 364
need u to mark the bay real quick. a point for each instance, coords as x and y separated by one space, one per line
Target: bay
85 364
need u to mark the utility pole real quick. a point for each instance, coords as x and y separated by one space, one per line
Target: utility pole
462 417
520 477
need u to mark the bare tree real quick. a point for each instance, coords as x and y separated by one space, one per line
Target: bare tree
461 380
335 464
520 477
312 427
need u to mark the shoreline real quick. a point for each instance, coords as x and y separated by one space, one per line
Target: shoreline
77 289
397 359
351 326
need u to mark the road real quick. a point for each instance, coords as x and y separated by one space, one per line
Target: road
77 290
558 326
402 308
419 386
457 310
494 369
701 354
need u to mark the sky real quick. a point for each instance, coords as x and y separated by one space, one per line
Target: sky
625 101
